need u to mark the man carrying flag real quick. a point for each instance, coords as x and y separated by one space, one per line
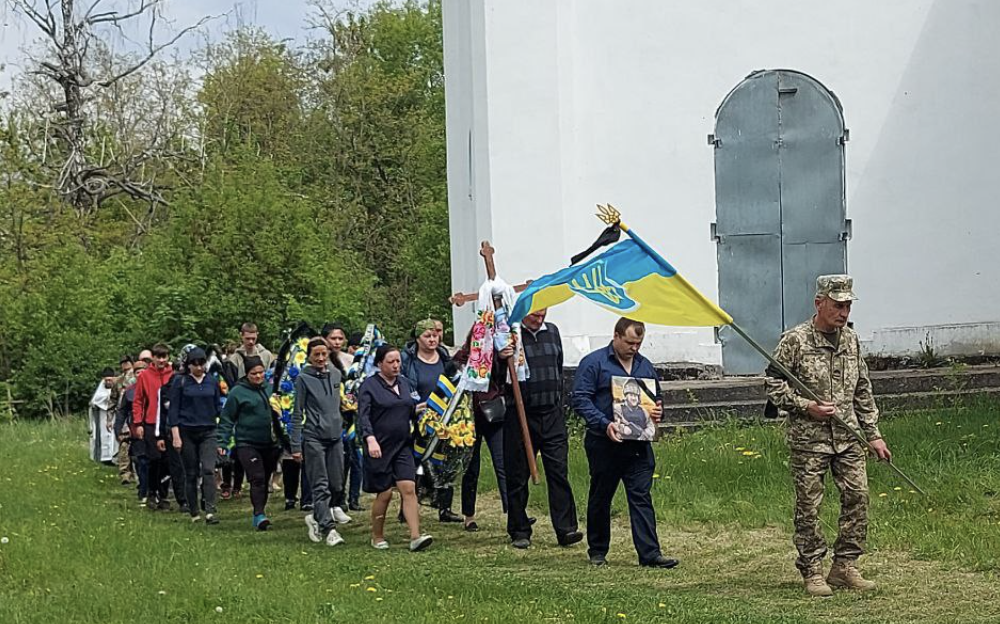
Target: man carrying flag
614 460
825 354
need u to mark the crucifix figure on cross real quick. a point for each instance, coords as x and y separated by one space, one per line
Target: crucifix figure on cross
459 299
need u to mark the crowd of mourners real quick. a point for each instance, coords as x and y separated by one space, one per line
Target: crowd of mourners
190 429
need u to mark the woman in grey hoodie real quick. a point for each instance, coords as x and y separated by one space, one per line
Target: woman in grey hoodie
315 433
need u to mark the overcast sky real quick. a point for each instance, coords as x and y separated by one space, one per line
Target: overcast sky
282 18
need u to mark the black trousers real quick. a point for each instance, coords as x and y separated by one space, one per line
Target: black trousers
493 434
199 450
157 467
292 477
175 467
549 438
259 464
629 463
232 475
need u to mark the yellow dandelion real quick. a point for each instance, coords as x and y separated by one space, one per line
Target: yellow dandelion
260 576
622 616
882 495
747 453
897 489
371 589
370 577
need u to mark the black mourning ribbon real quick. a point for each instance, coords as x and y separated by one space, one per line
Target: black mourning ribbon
611 234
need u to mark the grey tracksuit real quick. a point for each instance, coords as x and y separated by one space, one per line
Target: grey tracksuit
315 431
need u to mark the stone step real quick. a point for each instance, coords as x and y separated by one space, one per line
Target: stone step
699 414
738 389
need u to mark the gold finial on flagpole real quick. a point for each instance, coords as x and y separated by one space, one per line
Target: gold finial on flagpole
608 214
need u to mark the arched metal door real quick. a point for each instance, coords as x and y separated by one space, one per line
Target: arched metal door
780 205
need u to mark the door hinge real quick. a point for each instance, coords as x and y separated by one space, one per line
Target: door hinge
713 230
845 137
714 141
848 232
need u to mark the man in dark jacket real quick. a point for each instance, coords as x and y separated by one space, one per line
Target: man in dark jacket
543 406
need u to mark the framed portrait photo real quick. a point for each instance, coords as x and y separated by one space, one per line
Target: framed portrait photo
631 408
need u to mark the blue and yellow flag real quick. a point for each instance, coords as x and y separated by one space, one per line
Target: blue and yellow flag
629 281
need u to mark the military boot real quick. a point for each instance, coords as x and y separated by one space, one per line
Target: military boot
846 576
816 586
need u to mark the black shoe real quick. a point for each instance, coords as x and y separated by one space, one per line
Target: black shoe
289 504
522 543
598 561
163 505
355 506
569 539
183 508
447 515
472 527
532 520
306 507
211 519
661 562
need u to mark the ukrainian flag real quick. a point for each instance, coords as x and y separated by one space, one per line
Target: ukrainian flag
630 281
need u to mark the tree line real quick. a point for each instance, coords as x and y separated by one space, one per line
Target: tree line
151 196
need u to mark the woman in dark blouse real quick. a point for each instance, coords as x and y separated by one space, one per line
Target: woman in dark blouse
386 412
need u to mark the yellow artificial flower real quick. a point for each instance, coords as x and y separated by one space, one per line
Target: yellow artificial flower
469 440
300 357
286 402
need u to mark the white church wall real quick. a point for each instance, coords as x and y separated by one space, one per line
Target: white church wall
572 103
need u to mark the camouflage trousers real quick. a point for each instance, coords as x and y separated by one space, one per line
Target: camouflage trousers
124 461
850 475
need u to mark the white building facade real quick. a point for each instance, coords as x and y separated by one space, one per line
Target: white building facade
556 106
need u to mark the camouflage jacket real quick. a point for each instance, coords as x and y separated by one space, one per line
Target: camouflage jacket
838 375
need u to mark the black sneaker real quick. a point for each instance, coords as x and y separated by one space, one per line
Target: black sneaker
163 505
661 562
532 520
211 519
521 543
184 508
355 506
289 504
598 561
447 515
306 507
569 539
471 527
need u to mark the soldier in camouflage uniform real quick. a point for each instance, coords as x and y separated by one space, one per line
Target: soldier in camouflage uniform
825 354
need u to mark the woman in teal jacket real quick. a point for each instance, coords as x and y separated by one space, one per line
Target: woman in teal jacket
247 424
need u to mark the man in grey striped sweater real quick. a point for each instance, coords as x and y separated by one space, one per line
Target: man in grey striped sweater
543 405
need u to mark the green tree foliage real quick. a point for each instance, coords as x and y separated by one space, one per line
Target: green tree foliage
313 190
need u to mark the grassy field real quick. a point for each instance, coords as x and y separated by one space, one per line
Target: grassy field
78 548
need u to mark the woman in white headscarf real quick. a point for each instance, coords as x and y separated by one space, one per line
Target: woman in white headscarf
103 441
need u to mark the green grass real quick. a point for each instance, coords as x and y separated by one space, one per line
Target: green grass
81 550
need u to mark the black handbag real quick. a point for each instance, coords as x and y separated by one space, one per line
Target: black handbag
494 410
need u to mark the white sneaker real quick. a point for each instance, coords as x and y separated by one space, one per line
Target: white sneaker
339 516
333 538
420 543
380 544
314 533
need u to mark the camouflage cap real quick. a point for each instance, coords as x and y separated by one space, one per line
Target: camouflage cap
836 287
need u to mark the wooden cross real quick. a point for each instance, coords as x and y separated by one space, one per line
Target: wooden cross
486 251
